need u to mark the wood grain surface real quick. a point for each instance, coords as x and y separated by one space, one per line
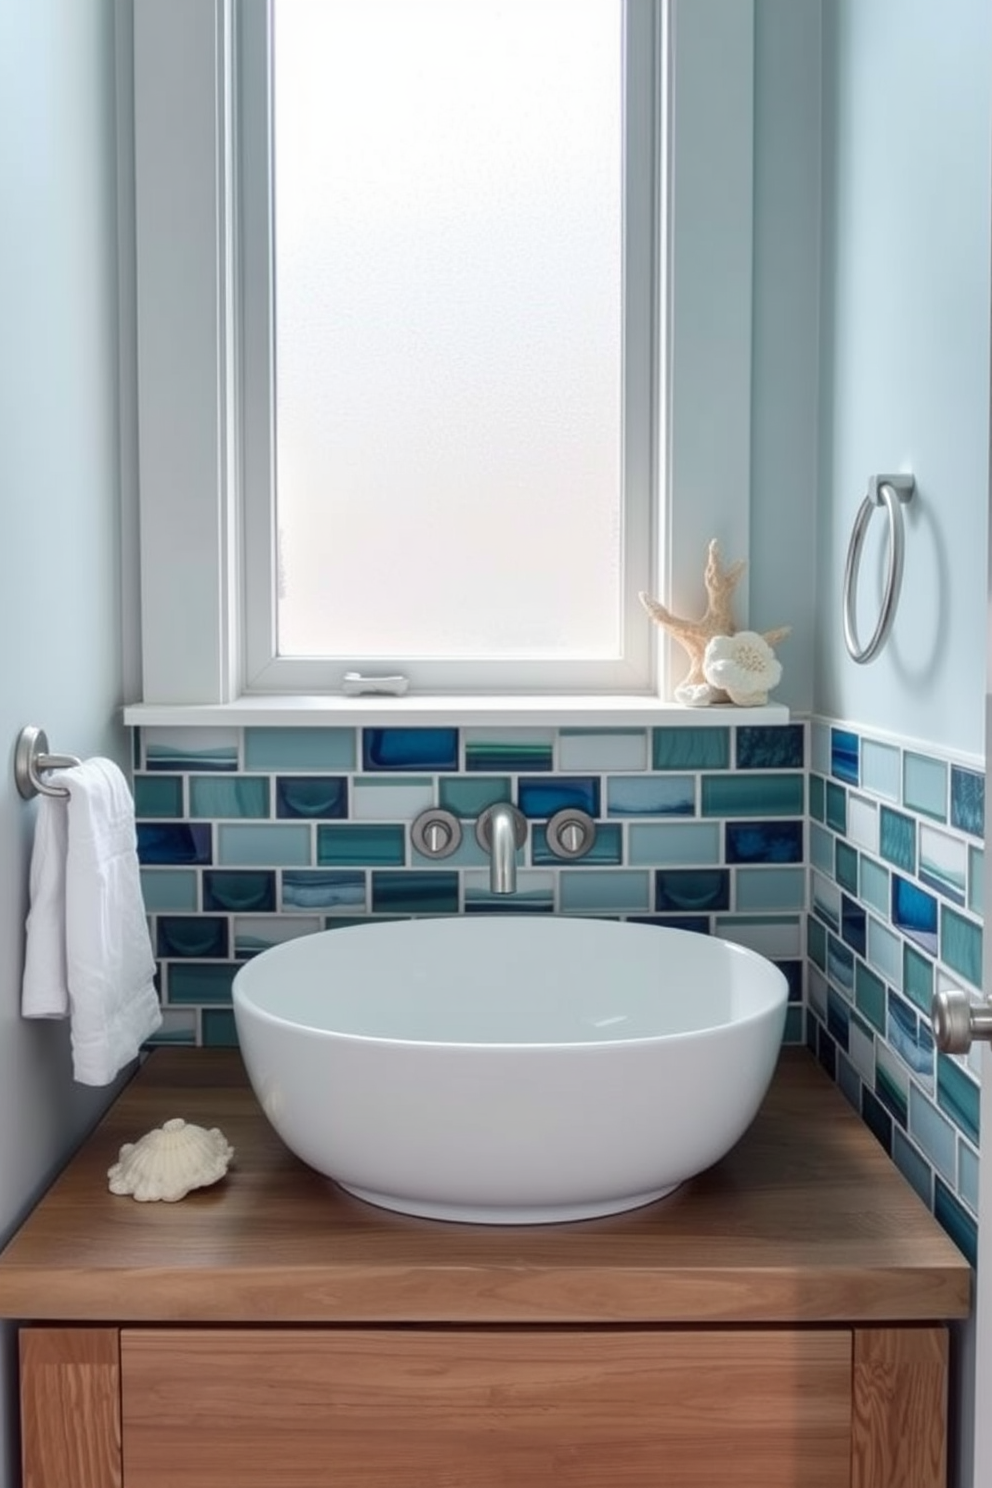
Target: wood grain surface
806 1220
70 1408
899 1436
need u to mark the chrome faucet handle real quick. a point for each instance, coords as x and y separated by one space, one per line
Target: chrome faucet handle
500 831
484 825
957 1021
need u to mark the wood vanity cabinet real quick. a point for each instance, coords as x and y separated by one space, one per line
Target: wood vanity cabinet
780 1322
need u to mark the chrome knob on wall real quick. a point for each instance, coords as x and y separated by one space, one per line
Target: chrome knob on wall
570 833
436 833
957 1021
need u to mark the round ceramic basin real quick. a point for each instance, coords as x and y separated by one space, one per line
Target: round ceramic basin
509 1069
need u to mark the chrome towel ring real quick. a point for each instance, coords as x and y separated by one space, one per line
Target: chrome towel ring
889 491
31 756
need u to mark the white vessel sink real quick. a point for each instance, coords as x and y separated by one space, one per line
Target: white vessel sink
509 1070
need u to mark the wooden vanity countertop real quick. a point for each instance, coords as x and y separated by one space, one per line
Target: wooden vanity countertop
806 1220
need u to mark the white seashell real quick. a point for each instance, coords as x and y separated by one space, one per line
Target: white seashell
170 1161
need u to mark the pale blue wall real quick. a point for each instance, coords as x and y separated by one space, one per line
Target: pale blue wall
59 585
905 360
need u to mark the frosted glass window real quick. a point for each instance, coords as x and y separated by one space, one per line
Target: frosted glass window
448 345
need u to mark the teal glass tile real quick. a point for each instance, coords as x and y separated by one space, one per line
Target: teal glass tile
932 1133
943 863
880 769
219 1029
197 936
840 965
135 750
691 890
849 1081
817 798
820 748
357 844
956 1220
825 900
192 982
875 886
836 812
958 1097
779 937
897 839
771 888
968 801
191 748
169 889
240 891
915 1169
876 1118
606 890
673 843
158 795
540 798
494 751
914 912
976 880
312 890
821 849
410 749
269 846
650 795
869 997
468 796
844 755
420 891
174 842
177 1029
924 785
917 977
846 867
235 795
968 1176
910 1038
752 795
838 1019
961 945
311 796
607 849
253 936
306 749
690 748
394 798
816 943
770 747
884 951
795 1026
468 854
535 894
602 749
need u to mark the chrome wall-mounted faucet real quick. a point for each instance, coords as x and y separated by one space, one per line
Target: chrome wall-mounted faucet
500 830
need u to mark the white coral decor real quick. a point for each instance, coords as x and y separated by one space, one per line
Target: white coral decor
744 666
169 1162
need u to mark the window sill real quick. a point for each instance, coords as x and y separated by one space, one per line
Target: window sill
426 711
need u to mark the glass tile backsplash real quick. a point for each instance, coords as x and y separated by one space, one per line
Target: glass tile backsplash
855 863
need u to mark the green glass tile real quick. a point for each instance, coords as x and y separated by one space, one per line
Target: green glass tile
924 785
875 886
958 1097
602 749
846 867
690 748
493 750
219 1029
817 798
426 891
771 888
752 795
961 945
917 977
605 889
351 845
674 844
836 810
869 996
976 880
816 943
897 839
168 889
468 796
309 749
200 981
235 795
606 850
157 796
274 846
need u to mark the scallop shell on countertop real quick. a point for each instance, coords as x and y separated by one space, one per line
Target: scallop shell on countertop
170 1161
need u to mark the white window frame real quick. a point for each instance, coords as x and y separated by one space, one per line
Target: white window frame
192 540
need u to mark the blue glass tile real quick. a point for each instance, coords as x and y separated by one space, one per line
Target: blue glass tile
846 866
917 978
764 842
423 891
314 796
914 912
410 749
976 880
602 749
469 797
219 1029
178 749
310 890
838 1024
308 749
968 1176
844 755
943 863
884 951
690 748
535 894
692 890
849 1081
752 795
192 935
795 1026
913 1168
836 807
869 997
924 785
771 888
168 889
514 750
158 795
239 891
853 924
840 965
542 798
357 844
876 1118
681 844
816 943
932 1133
897 839
613 890
909 1039
793 973
875 886
774 747
234 795
268 846
958 1097
817 798
201 981
968 801
178 842
956 1221
135 749
961 945
891 1084
650 795
502 904
826 1051
606 850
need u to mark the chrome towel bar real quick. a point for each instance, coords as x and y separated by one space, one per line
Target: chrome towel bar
888 491
31 757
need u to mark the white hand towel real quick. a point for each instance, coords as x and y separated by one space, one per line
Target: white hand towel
88 953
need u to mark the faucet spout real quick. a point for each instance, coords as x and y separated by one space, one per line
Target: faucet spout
501 830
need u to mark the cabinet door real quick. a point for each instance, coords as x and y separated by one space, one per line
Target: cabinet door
485 1408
